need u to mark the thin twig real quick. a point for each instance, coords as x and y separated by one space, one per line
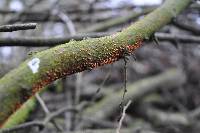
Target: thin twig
44 107
64 17
47 112
123 116
43 122
23 126
16 27
125 77
101 85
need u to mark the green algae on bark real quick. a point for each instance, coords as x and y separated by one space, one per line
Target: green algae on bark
21 114
20 84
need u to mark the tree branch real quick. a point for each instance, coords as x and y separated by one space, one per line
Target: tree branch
50 41
19 85
16 27
123 116
22 114
53 41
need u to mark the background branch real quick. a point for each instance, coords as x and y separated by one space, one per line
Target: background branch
53 41
16 27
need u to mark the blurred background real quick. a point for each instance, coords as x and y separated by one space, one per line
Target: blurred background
162 77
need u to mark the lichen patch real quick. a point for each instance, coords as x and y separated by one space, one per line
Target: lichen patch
34 65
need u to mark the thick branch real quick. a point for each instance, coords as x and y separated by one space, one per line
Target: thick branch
23 82
21 115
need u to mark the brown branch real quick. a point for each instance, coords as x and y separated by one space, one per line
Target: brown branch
16 27
53 41
47 112
123 116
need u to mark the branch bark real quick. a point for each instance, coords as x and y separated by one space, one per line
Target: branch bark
22 114
20 84
53 41
16 27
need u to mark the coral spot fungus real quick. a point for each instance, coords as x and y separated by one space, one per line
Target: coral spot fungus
87 63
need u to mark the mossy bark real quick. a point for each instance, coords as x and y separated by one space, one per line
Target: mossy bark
22 114
20 84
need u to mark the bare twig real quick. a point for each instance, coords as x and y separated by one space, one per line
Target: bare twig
47 119
16 27
125 76
47 112
101 85
64 17
23 126
123 116
44 107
